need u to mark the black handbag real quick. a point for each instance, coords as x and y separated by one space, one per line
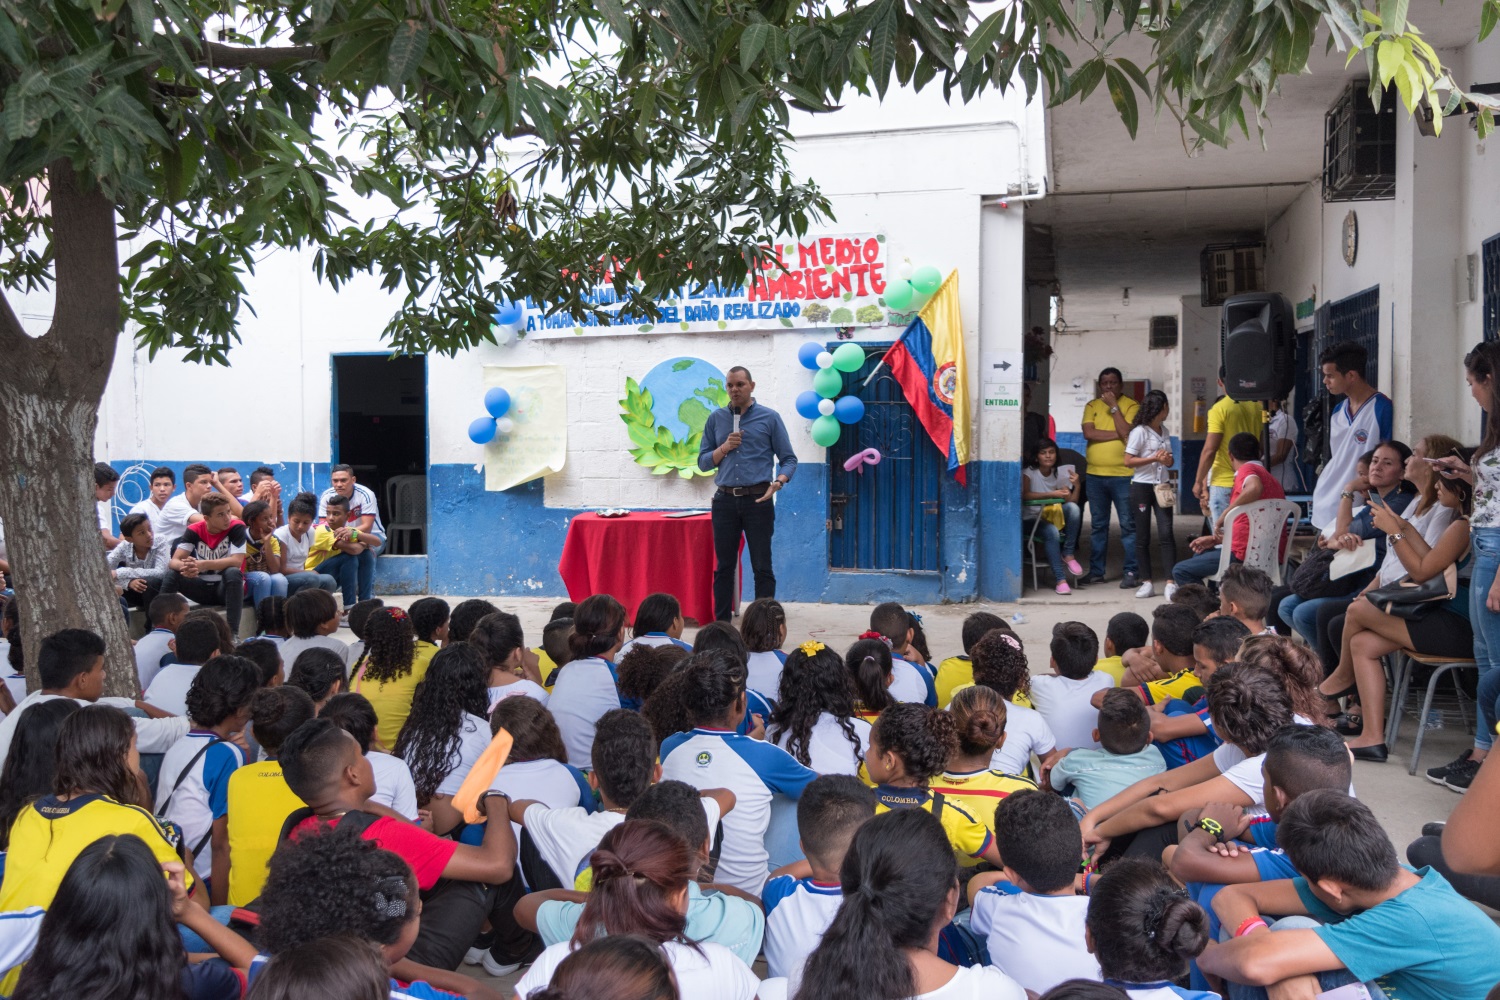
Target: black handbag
1412 601
1310 581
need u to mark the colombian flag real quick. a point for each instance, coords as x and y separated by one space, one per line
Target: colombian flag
929 363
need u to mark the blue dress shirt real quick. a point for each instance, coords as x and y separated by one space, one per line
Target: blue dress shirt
763 446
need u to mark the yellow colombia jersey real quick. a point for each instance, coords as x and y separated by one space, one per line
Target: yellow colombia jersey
392 699
953 673
970 838
1176 686
259 803
980 791
320 549
1114 666
1019 698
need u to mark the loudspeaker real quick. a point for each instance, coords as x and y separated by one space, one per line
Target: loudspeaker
1260 346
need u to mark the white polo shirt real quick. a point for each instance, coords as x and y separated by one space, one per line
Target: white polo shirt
584 691
1064 704
361 503
765 673
169 688
149 651
798 911
1026 733
1036 940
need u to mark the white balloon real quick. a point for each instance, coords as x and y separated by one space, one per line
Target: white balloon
826 407
905 270
825 360
505 425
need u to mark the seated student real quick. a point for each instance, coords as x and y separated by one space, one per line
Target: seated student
958 671
263 567
163 484
429 623
1183 731
1251 483
112 931
206 560
138 563
815 719
802 899
312 616
106 481
319 672
909 747
547 655
763 627
1126 631
1084 989
911 677
642 874
586 688
968 778
339 881
716 913
196 642
1248 706
1165 670
266 656
332 968
658 622
447 729
29 771
259 800
324 766
713 755
724 636
1029 913
166 613
182 510
900 891
1372 920
1144 930
868 665
394 787
1300 671
389 672
1126 754
359 617
295 538
193 788
537 767
641 671
1245 595
344 551
1198 597
1062 697
465 615
512 669
270 615
1000 665
613 967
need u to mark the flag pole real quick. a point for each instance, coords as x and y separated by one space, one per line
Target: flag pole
881 364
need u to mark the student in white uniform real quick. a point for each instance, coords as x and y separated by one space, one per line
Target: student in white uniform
536 768
1063 696
313 618
394 788
197 642
586 686
658 622
713 755
618 965
815 721
1144 930
763 627
447 728
1358 424
166 612
1000 664
912 679
512 668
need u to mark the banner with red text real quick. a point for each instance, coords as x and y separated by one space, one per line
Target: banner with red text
823 281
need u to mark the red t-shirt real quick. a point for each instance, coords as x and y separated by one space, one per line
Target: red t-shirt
1270 489
427 853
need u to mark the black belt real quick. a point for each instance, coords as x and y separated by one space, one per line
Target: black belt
754 489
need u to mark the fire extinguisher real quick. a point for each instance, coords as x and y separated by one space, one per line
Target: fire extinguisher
1200 416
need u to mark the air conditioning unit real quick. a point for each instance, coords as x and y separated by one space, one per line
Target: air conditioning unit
1227 269
1163 333
1359 146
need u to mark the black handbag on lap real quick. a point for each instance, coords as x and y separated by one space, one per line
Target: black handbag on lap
1310 581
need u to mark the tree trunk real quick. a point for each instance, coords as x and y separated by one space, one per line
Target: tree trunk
50 388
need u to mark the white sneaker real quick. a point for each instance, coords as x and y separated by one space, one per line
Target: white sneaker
1146 590
475 955
497 970
1171 589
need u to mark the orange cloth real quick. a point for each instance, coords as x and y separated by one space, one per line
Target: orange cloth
481 776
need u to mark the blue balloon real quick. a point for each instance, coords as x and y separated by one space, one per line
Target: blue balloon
849 409
808 353
497 402
482 430
807 404
509 314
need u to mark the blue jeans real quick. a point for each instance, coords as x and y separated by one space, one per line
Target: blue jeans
1061 545
263 585
1302 615
309 578
1218 501
1326 980
1196 569
1486 624
355 574
1104 491
194 944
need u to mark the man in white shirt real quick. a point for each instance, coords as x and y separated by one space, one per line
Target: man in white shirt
182 510
106 481
364 512
1358 424
163 483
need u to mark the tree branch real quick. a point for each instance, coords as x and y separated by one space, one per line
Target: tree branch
217 55
86 319
12 333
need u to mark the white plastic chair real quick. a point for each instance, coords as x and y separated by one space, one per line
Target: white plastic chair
1268 525
406 506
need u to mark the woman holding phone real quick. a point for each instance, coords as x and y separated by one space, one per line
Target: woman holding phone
1042 479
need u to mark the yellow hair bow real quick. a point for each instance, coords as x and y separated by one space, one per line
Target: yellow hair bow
812 647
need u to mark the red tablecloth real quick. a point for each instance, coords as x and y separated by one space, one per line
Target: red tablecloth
639 554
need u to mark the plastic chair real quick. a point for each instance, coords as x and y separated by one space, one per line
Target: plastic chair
406 500
1028 554
1268 525
1403 666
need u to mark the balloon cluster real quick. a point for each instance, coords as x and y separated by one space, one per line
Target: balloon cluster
821 404
910 292
482 430
509 320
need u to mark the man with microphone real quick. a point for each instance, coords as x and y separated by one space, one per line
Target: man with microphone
748 444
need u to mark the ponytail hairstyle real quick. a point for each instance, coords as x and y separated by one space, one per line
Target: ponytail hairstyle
390 644
617 967
456 685
868 665
979 720
763 625
713 682
278 711
1144 926
533 732
271 614
428 614
596 626
305 504
1000 664
919 636
898 879
924 738
811 685
639 868
642 669
1150 408
655 613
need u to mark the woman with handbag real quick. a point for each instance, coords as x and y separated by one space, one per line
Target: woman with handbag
1423 608
1041 479
1148 454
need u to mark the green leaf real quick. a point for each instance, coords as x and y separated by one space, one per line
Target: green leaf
1489 16
752 42
883 45
1123 94
615 15
1393 15
1086 78
408 46
984 36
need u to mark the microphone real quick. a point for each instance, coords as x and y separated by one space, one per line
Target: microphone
736 411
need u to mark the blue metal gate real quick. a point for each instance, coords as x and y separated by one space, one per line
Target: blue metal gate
889 517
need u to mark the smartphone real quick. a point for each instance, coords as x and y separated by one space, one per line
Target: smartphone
1374 499
1354 991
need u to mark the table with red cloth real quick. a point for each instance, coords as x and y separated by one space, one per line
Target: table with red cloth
642 553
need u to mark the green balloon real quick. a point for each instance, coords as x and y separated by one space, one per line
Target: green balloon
828 383
927 279
826 431
849 358
898 295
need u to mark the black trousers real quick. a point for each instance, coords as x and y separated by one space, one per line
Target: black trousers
732 517
1143 503
453 914
229 591
1480 888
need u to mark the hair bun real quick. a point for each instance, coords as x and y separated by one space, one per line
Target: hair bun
1182 930
982 727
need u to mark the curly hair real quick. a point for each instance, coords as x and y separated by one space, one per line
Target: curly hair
1248 705
308 610
465 615
220 688
390 644
642 669
810 686
32 759
713 682
1000 663
532 729
623 755
333 881
456 685
316 670
663 708
93 755
1297 665
763 625
428 614
868 668
597 622
276 712
924 738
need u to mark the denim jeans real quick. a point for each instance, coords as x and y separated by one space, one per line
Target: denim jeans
1196 569
1104 492
262 585
1326 980
1061 545
310 578
355 574
1486 624
194 944
1218 501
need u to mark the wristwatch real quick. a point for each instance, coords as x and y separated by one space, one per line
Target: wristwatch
1114 409
1212 827
1347 495
1397 537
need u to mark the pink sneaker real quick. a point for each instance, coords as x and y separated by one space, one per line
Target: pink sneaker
1063 588
1073 566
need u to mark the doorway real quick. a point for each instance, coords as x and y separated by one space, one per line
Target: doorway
380 428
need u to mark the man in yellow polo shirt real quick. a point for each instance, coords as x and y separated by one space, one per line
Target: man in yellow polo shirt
1226 418
1106 427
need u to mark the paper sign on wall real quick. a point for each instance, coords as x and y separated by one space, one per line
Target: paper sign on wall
538 445
1002 396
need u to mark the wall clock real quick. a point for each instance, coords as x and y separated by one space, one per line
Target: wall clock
1351 238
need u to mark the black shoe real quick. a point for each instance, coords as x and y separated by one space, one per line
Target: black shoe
1376 753
1460 775
1349 725
1092 577
1433 829
1437 774
1129 581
